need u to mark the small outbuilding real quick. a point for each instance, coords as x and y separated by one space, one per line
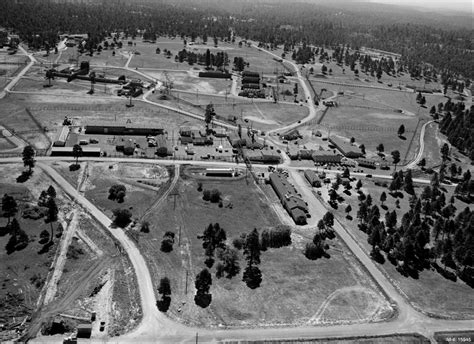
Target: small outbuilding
84 330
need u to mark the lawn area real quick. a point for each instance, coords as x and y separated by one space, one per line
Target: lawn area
448 298
138 197
14 116
50 110
351 118
293 288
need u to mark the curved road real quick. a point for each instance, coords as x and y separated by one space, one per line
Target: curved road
417 159
155 327
158 328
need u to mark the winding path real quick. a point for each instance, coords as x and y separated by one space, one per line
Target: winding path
417 159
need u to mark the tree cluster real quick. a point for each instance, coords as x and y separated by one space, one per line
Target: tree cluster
213 238
213 195
203 283
277 237
117 192
167 242
402 180
318 247
165 291
429 233
122 217
459 128
252 275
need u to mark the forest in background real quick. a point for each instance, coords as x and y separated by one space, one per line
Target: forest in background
441 40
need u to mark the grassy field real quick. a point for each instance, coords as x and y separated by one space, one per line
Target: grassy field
356 118
258 60
5 143
49 111
262 115
14 116
292 291
138 198
446 299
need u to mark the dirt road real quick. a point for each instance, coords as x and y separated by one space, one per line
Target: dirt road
20 75
165 194
417 159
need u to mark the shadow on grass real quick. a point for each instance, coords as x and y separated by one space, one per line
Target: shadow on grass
24 177
74 167
46 247
4 231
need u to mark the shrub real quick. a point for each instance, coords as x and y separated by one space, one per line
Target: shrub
199 187
167 242
37 280
203 299
206 195
44 236
215 196
33 213
59 230
314 251
279 236
74 251
145 227
238 243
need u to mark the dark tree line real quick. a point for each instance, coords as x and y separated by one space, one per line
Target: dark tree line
444 43
458 126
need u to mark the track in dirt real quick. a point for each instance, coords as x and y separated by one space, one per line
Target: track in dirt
75 290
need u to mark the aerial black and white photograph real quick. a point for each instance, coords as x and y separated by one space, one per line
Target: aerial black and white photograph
237 171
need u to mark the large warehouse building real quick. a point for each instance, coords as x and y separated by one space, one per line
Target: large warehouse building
117 128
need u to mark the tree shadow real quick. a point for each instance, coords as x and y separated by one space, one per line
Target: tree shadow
23 177
4 231
384 207
46 247
74 167
402 137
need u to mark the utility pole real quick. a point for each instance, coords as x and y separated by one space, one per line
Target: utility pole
179 236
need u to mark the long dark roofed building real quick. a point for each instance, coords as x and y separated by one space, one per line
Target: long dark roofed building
291 201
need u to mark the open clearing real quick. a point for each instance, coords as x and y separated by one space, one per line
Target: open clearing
261 115
139 196
351 118
258 60
293 290
49 111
